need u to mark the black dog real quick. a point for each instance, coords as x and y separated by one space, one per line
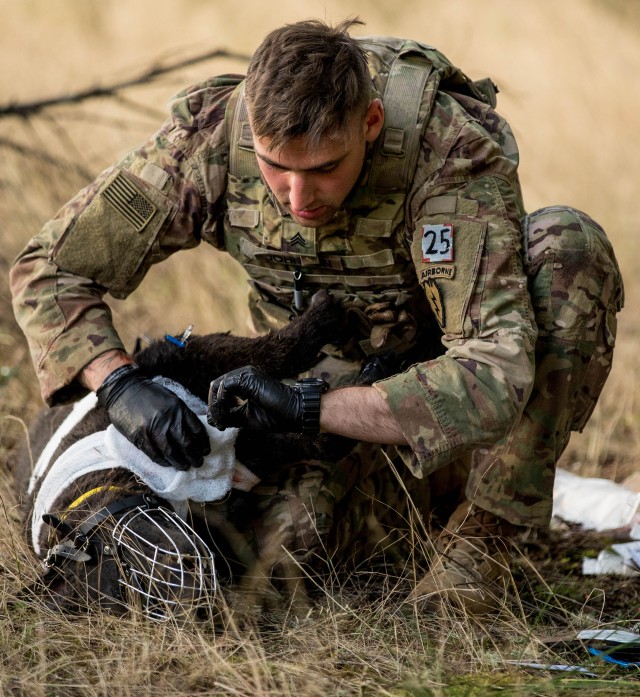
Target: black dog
108 540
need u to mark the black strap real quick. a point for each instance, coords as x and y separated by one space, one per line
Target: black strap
145 500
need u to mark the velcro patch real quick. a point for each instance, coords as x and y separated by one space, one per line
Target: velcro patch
154 174
297 239
129 201
244 217
437 242
448 286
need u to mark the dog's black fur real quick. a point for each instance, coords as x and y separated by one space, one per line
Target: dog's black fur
283 354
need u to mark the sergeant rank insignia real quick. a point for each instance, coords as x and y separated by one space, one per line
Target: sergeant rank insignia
297 239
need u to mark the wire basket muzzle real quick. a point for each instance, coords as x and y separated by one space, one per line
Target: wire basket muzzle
166 567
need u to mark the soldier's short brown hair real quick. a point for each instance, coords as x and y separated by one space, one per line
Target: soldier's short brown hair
307 79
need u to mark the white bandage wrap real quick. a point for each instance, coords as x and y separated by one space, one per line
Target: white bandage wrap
110 449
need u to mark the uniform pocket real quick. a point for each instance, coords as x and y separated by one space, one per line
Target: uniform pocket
567 295
111 236
598 369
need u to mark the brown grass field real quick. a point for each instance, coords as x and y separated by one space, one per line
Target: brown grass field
569 74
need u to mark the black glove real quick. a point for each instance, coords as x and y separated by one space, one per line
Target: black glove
248 397
378 367
154 419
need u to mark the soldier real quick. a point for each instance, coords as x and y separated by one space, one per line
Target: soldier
377 170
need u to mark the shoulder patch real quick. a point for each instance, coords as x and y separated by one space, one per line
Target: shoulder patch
437 271
437 242
129 201
434 296
449 285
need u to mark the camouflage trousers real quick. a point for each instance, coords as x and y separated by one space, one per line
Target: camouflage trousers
576 290
319 515
368 504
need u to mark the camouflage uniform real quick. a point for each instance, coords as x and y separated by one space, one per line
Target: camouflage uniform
525 314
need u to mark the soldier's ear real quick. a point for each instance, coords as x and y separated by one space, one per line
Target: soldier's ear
373 120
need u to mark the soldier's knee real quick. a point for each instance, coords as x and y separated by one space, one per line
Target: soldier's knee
574 279
558 229
576 290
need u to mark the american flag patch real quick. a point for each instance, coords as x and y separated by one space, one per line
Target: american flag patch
129 201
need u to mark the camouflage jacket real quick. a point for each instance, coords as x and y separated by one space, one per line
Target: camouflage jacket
461 244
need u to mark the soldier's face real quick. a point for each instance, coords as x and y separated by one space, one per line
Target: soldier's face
312 184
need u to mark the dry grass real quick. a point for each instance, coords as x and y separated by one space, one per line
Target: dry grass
569 77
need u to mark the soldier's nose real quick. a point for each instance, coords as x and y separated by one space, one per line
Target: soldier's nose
301 193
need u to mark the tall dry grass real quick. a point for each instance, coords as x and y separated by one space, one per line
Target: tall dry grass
568 73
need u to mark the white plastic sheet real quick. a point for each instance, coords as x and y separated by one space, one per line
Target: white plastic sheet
596 504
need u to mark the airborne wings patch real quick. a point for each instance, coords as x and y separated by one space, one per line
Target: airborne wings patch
436 271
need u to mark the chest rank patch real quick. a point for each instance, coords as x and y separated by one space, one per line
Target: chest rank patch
298 240
437 243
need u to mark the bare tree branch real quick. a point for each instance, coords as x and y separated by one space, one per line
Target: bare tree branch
27 109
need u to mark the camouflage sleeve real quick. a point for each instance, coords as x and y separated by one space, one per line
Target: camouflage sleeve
465 244
160 198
